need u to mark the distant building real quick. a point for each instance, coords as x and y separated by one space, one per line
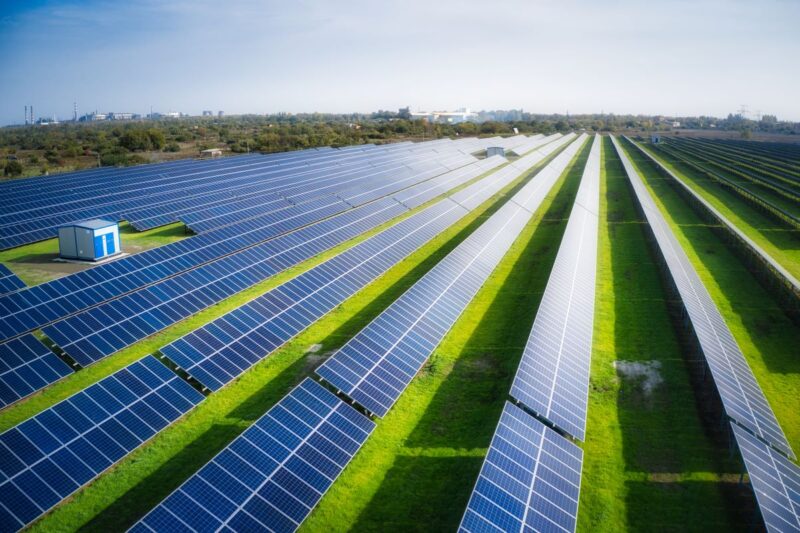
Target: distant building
404 112
211 153
676 124
93 117
208 113
220 114
451 117
655 139
120 116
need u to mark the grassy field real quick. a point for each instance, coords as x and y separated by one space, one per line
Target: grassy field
650 464
146 476
34 264
778 240
416 471
767 337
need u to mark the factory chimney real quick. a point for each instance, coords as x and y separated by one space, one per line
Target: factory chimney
74 111
26 115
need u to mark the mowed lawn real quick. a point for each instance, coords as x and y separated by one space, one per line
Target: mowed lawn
777 238
141 480
766 336
650 463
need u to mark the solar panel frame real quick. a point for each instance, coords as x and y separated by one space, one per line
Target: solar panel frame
27 365
9 282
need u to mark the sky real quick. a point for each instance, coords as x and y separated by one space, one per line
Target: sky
669 57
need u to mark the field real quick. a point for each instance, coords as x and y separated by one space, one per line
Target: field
656 457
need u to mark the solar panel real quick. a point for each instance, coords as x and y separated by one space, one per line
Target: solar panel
376 365
218 352
27 365
741 396
9 282
529 481
553 376
775 481
272 475
48 457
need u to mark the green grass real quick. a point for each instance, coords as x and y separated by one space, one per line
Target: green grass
650 464
779 241
417 469
766 336
142 479
34 264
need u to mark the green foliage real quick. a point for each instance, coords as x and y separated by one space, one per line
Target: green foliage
172 147
13 168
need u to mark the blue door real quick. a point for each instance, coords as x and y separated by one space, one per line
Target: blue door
98 246
110 243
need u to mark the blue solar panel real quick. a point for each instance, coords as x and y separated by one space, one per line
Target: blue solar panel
27 365
48 457
775 481
553 377
272 475
530 479
741 396
9 282
376 365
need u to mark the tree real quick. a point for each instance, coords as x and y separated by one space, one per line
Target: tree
13 168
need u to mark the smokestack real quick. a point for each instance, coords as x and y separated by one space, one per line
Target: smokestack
32 122
75 111
26 115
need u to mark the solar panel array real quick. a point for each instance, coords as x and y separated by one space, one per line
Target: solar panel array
48 457
376 365
158 194
27 365
106 328
775 481
39 305
272 475
9 282
741 396
221 350
553 376
529 481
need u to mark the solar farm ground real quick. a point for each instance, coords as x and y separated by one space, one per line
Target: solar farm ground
652 460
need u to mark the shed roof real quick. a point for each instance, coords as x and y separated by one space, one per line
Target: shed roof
95 223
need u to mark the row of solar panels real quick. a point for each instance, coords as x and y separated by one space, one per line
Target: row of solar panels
775 480
29 225
530 478
157 195
111 325
757 249
272 476
47 459
54 300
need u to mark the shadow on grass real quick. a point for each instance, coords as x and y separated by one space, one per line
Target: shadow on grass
769 328
432 506
666 430
672 503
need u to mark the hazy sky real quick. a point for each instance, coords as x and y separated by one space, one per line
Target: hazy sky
660 57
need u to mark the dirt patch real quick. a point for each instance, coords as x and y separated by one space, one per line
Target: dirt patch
646 374
314 348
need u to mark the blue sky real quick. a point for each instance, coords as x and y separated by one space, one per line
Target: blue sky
666 57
